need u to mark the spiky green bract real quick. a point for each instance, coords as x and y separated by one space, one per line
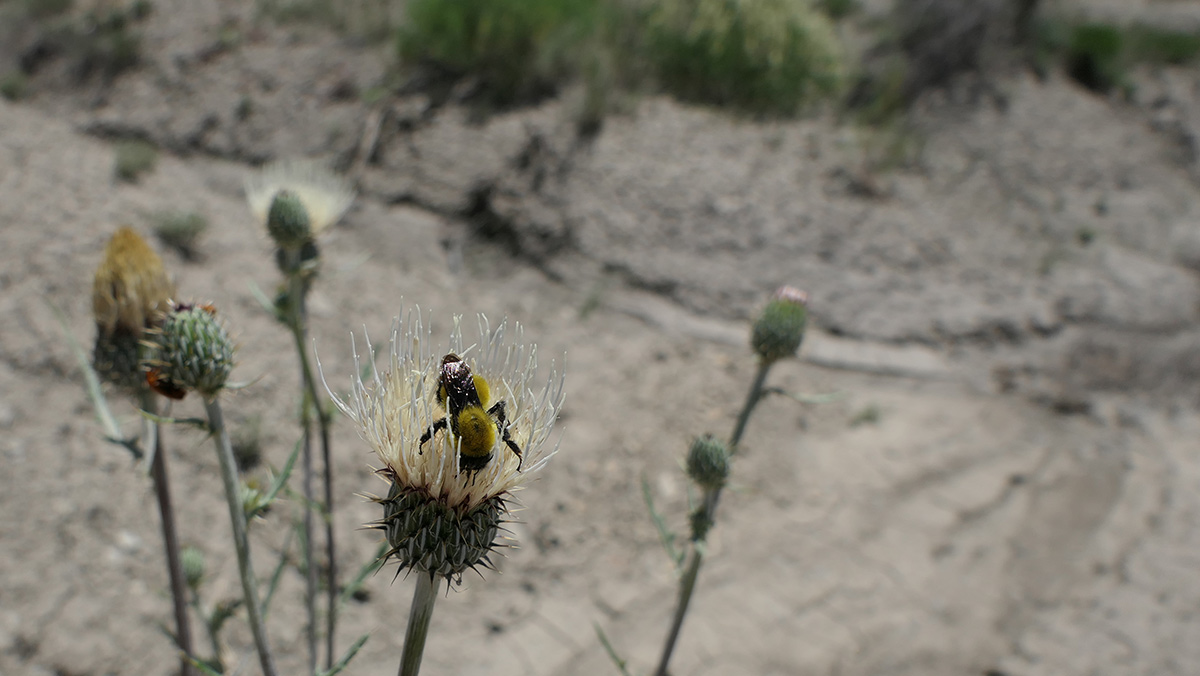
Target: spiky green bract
192 350
708 462
116 358
288 222
779 330
430 536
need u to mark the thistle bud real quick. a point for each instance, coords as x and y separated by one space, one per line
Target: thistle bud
288 222
779 330
191 351
428 536
130 289
708 462
192 561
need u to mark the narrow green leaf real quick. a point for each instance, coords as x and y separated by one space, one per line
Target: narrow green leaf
203 667
198 423
664 533
364 572
341 664
266 303
612 653
278 484
112 430
277 575
807 398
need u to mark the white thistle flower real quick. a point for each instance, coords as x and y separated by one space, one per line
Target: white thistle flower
429 487
325 195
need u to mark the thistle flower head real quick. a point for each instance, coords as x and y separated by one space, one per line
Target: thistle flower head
190 350
779 330
450 466
324 196
130 289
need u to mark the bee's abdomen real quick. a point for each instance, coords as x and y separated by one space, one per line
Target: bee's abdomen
477 432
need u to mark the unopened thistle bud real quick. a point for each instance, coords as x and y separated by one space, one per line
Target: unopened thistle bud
192 561
779 330
190 351
288 222
708 462
452 456
130 289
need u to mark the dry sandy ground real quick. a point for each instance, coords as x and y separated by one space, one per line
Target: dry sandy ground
1024 500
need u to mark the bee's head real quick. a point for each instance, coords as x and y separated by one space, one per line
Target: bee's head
456 386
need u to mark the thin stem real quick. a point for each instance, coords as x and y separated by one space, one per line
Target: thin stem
296 322
418 624
237 515
299 327
330 544
162 492
752 399
687 584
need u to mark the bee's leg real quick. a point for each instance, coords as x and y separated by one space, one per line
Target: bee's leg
497 411
437 425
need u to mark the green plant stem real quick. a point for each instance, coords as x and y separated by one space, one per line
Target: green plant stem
752 399
687 584
237 515
299 322
418 624
296 322
162 492
331 584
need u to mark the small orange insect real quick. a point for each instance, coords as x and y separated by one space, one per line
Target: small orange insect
163 385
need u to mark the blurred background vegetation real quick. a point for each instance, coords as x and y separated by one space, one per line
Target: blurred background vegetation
762 58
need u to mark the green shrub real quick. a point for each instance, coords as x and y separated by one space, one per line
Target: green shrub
134 158
14 85
763 56
1159 45
1094 56
181 231
1099 55
45 8
838 9
518 49
370 20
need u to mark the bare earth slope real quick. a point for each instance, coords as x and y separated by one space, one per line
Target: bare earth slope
1008 485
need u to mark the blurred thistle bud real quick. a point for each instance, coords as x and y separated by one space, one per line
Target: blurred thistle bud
779 330
192 560
288 222
190 351
130 290
708 462
325 196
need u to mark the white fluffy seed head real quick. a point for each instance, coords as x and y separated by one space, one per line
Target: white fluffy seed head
325 195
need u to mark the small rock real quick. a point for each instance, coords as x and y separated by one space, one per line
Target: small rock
128 542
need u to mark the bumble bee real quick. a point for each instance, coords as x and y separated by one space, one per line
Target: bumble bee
464 397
